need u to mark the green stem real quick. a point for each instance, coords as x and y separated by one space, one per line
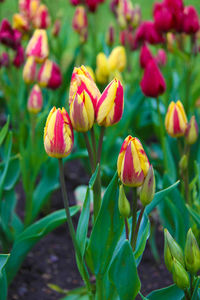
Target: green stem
126 228
72 230
99 288
28 207
100 144
89 149
134 216
137 228
161 123
94 144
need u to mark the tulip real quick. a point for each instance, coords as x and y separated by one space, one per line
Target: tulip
176 8
4 60
110 36
9 36
58 133
19 57
147 191
124 13
192 253
163 17
161 58
123 203
93 4
75 2
172 251
82 112
190 20
33 8
42 19
56 28
133 164
102 66
38 46
110 105
145 56
29 71
176 120
91 72
191 132
35 100
80 21
180 276
82 80
153 83
49 75
147 32
117 59
20 23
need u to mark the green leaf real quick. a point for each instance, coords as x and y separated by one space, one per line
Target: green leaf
31 235
106 231
196 287
169 163
4 131
3 261
159 196
123 273
143 235
12 174
171 292
3 279
195 215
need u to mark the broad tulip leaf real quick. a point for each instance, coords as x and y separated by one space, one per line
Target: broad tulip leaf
169 163
171 292
3 279
6 158
194 214
123 273
4 131
143 235
12 174
106 231
159 196
31 235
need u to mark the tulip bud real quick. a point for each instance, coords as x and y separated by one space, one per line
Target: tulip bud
19 57
28 7
42 19
20 23
180 276
58 133
110 36
153 83
56 27
102 65
163 17
9 36
110 105
147 191
190 20
82 80
35 100
183 164
136 16
132 163
38 46
172 251
176 120
192 253
123 203
145 56
191 132
82 112
29 71
80 21
4 60
161 58
117 59
49 75
147 32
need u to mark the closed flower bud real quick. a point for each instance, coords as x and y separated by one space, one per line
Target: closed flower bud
183 163
102 65
80 21
117 59
145 56
110 36
192 253
9 36
132 163
33 8
153 83
38 46
191 133
172 250
180 276
176 120
110 105
35 100
123 203
20 23
19 57
41 18
163 17
190 20
49 75
29 71
147 32
82 112
58 134
147 191
28 7
56 27
136 16
124 13
161 58
82 80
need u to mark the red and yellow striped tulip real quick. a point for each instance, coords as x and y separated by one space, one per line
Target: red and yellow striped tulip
20 23
81 80
41 18
110 105
35 100
176 120
29 71
80 21
58 134
82 112
133 164
49 75
38 46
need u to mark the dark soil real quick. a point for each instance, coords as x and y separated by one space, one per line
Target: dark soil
52 259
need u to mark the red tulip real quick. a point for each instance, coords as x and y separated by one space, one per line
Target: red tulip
9 36
190 20
19 57
147 32
4 60
163 17
161 58
153 83
145 56
49 75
